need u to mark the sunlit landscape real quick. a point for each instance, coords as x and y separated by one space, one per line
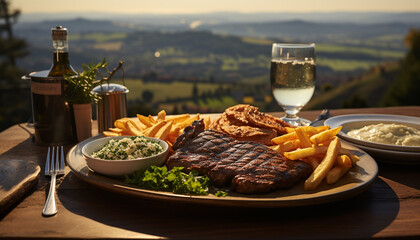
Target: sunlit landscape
207 61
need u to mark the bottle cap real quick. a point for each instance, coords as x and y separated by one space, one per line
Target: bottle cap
59 33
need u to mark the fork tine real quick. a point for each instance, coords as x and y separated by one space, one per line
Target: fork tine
47 163
62 161
52 161
57 163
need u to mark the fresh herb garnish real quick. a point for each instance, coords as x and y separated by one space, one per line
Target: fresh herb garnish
221 194
159 178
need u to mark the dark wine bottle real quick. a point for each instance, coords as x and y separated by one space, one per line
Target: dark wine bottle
53 116
61 61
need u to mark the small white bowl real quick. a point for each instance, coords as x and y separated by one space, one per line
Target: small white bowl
116 168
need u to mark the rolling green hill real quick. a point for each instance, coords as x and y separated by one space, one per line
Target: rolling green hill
367 90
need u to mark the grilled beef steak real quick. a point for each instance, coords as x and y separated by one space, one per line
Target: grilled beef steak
248 167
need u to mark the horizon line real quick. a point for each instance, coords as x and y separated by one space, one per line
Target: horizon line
213 12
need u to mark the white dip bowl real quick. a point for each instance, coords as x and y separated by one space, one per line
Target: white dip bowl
116 168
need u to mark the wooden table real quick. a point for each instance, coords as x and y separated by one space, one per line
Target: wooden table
389 209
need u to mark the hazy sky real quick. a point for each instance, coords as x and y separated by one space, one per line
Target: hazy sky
197 6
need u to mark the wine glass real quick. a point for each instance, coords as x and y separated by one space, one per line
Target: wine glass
292 76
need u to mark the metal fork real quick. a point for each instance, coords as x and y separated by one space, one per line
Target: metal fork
54 166
325 114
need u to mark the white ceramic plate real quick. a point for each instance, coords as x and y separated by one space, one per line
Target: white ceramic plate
389 156
357 180
356 121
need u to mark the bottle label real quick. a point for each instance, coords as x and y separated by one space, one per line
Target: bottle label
46 88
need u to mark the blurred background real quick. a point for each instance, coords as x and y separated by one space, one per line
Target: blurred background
185 56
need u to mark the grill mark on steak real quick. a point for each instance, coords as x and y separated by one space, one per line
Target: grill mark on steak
242 155
248 167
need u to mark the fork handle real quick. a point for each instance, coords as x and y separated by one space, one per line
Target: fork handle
50 208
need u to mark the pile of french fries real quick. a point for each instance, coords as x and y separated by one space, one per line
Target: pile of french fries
163 127
320 147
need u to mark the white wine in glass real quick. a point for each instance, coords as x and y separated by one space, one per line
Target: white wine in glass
293 74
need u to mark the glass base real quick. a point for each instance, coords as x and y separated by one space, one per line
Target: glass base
296 121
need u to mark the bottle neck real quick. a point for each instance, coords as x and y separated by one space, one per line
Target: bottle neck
61 61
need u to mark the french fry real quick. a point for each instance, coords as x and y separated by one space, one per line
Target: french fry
305 152
178 118
137 124
325 135
296 144
276 148
322 128
172 138
145 120
291 133
305 142
336 173
354 158
303 137
308 129
284 138
324 167
163 132
121 123
326 142
289 129
313 161
151 131
175 130
115 130
170 144
289 146
344 161
132 129
151 119
171 149
207 122
110 134
188 121
161 116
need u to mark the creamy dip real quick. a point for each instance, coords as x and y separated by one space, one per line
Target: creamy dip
128 148
388 133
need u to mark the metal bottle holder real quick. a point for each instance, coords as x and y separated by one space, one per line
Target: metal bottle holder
53 123
111 106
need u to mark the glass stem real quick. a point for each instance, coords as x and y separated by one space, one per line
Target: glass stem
291 115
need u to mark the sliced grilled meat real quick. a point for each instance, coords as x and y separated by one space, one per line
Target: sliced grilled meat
248 167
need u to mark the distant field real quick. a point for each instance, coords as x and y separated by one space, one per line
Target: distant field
217 105
345 65
363 50
260 41
98 37
163 91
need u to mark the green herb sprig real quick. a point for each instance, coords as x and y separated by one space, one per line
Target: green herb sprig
80 86
174 180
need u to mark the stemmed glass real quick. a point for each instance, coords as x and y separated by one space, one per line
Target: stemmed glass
293 73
